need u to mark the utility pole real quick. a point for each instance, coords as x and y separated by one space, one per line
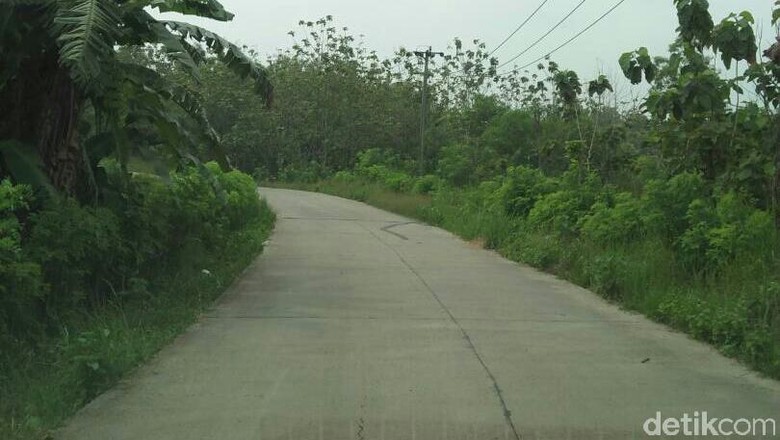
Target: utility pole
427 55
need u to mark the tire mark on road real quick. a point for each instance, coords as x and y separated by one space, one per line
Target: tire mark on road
395 225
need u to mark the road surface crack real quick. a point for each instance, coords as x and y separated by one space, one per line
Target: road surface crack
499 394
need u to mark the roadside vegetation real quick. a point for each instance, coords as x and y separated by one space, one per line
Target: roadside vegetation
121 219
127 143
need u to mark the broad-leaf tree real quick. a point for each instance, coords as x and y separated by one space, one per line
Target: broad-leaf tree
67 98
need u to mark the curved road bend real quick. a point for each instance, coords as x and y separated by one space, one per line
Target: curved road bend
357 324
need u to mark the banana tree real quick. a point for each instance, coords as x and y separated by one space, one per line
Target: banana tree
60 64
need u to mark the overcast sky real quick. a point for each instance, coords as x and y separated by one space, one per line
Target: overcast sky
388 25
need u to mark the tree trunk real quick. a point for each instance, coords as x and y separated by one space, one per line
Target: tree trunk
39 107
58 143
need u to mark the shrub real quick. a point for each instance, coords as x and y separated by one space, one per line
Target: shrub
607 273
613 222
665 203
727 325
75 256
431 214
389 178
79 249
197 209
731 229
145 206
521 188
510 132
539 250
426 184
345 176
560 211
21 282
398 181
376 157
374 173
456 165
242 203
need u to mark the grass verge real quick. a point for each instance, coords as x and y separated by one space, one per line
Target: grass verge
41 386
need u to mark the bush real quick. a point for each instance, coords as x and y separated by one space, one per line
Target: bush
398 181
242 203
560 211
455 164
21 281
376 156
613 222
728 325
665 203
426 184
75 257
80 249
197 208
134 249
539 250
720 234
389 178
510 133
607 273
521 188
345 177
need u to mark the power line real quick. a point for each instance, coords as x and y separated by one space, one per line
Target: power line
566 43
519 27
545 35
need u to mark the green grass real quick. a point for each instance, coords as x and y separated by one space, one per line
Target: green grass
736 311
43 385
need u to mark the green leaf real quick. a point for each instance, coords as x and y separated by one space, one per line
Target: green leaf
177 50
636 75
229 54
650 72
695 22
625 62
171 128
86 31
776 13
24 164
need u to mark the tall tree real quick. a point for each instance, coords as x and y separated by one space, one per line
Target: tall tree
61 63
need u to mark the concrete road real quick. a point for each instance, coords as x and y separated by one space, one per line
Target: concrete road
359 324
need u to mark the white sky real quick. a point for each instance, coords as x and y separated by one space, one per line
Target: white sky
387 25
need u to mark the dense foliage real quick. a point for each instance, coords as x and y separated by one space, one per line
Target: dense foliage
89 292
120 216
69 98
